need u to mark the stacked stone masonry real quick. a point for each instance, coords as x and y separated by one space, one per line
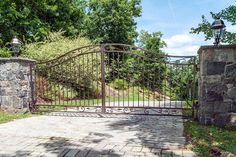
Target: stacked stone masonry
15 83
217 85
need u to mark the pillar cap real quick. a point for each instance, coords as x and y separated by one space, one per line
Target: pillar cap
17 59
207 47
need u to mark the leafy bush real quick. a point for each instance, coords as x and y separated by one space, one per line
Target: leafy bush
119 84
54 45
138 70
71 71
5 53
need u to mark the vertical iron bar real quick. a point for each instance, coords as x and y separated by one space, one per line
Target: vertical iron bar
93 97
123 77
61 88
79 79
133 67
54 86
107 88
97 81
67 93
48 89
128 78
88 71
43 86
188 85
160 85
32 102
148 87
103 78
50 86
194 84
143 83
118 69
182 91
36 86
71 78
154 88
165 85
170 84
109 71
176 81
113 74
42 83
83 79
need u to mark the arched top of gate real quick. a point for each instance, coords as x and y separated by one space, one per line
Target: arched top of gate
130 49
118 48
74 53
111 47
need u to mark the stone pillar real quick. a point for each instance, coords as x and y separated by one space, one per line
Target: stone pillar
217 85
15 83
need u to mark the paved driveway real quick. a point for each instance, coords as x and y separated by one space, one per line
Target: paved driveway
93 135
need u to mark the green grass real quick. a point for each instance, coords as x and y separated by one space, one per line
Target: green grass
6 116
130 97
134 94
204 138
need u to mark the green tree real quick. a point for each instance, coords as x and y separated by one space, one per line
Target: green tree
153 65
31 20
144 67
181 79
112 21
151 41
228 14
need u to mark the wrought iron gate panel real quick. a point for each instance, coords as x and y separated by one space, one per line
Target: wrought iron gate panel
116 78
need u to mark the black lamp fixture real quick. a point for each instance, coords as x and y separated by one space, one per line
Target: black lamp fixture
16 45
218 29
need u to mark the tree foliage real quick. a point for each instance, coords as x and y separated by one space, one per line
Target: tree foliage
31 20
140 67
181 79
151 41
112 21
228 14
155 56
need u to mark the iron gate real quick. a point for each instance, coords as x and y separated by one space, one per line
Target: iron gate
115 78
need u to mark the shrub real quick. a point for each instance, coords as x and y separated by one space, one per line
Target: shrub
78 72
5 53
54 45
119 84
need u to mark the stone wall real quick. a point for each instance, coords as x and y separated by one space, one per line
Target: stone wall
217 85
15 83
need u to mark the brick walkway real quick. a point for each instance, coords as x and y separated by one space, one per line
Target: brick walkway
94 135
